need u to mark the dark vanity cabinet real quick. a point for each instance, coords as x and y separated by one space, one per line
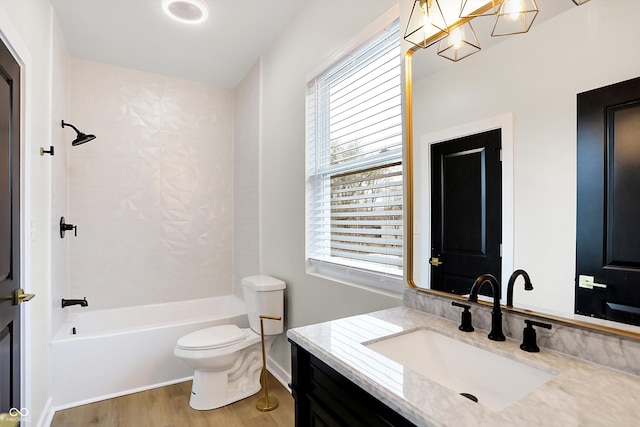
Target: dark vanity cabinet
326 398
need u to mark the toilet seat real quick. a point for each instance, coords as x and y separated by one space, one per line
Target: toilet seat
212 338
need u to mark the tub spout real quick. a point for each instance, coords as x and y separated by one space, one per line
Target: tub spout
80 302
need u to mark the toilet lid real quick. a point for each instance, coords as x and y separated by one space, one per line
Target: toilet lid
210 338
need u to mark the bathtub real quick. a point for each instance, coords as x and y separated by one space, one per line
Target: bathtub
102 354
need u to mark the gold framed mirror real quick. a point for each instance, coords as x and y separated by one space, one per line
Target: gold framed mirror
586 26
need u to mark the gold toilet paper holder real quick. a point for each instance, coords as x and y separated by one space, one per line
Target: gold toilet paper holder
265 403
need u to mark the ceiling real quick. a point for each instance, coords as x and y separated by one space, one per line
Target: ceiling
136 34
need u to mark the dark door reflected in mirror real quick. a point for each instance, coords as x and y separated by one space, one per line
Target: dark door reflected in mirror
608 221
466 211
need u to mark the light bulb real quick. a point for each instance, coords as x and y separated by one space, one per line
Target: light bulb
429 16
425 15
456 38
512 9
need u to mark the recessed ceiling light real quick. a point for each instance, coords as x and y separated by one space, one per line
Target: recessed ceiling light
186 11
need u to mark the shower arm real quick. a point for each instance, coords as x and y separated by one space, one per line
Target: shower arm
70 125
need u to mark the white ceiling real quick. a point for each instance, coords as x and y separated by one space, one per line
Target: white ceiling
137 34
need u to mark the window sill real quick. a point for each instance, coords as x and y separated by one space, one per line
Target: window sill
385 284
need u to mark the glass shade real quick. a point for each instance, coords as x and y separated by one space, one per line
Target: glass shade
515 17
460 43
426 22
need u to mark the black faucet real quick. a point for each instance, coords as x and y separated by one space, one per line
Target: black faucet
527 285
80 302
496 314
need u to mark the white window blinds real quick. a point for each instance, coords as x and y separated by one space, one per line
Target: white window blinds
354 125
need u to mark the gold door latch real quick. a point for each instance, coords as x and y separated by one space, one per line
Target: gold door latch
435 261
19 297
589 282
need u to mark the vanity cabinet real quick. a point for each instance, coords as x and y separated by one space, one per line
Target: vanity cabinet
324 397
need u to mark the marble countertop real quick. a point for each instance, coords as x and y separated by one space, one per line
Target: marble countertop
580 394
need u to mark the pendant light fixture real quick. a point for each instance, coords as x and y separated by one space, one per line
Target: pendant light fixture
515 17
460 43
426 20
428 24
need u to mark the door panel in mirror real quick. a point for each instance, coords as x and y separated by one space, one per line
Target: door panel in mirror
466 210
608 229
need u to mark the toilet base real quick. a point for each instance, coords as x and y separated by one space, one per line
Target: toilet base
206 396
214 389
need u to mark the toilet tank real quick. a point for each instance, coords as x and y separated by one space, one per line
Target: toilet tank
264 295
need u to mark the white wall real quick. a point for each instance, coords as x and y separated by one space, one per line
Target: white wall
152 194
246 177
537 76
26 25
321 29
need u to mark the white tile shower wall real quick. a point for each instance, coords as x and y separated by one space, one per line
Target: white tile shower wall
59 175
152 195
246 171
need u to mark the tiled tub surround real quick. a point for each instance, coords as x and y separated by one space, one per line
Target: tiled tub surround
615 351
152 194
580 394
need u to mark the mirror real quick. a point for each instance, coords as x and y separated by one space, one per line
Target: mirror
527 85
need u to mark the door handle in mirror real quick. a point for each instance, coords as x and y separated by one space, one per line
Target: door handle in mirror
435 261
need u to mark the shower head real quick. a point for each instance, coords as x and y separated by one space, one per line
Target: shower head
81 138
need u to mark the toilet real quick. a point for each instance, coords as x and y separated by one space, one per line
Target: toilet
226 359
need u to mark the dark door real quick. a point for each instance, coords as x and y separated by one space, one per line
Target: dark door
9 230
608 221
466 211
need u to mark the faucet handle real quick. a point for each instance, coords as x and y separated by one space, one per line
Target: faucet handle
529 335
465 324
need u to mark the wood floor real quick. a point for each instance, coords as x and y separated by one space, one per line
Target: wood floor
169 407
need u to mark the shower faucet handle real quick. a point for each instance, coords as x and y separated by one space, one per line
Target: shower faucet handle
64 227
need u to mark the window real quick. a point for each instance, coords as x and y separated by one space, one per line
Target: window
354 171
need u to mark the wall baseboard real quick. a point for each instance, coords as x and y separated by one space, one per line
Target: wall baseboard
279 373
47 415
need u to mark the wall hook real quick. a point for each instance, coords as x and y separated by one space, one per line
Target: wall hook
49 151
64 227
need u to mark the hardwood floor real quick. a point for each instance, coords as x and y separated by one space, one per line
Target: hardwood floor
169 407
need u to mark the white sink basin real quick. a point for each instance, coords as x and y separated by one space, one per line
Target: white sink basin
496 381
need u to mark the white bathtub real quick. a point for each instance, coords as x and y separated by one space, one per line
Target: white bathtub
121 351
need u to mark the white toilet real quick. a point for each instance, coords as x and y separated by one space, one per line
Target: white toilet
227 360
